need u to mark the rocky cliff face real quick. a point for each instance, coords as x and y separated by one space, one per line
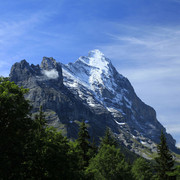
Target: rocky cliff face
92 90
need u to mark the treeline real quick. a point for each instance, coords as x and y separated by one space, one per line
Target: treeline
29 149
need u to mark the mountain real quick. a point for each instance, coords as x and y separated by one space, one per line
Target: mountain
91 89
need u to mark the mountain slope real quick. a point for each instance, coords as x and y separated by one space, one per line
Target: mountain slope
91 89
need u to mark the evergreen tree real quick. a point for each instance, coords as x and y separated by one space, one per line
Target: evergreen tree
35 154
108 138
175 175
93 149
164 161
108 164
40 121
83 145
47 154
56 157
15 128
75 163
141 169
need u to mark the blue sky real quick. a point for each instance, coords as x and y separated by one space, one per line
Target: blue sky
141 37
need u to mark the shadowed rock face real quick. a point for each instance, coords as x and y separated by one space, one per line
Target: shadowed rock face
92 90
62 108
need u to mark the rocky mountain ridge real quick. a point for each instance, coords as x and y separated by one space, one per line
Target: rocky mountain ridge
91 89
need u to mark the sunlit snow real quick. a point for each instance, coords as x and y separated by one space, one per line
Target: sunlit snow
93 76
120 123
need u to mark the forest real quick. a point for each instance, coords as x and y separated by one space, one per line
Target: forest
30 149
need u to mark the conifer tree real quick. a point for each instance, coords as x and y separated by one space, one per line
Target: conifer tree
47 154
141 169
164 161
108 139
83 145
15 125
175 175
93 149
36 149
109 163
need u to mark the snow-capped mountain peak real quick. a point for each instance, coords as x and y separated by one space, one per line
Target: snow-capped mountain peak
95 52
96 59
91 89
97 56
94 70
96 74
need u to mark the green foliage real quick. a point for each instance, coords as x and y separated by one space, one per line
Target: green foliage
75 168
175 174
55 153
93 149
83 145
15 127
108 138
164 161
108 164
36 148
29 149
47 154
141 170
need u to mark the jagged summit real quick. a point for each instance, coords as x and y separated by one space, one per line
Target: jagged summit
24 63
51 68
48 63
31 75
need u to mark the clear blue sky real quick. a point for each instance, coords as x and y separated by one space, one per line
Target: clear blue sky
141 37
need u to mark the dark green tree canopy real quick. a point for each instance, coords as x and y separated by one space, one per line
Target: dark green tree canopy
141 169
108 164
164 161
83 144
108 139
15 127
13 106
30 149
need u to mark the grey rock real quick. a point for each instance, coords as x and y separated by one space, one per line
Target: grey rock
96 93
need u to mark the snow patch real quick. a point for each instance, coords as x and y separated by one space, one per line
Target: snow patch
142 142
121 124
51 74
133 136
